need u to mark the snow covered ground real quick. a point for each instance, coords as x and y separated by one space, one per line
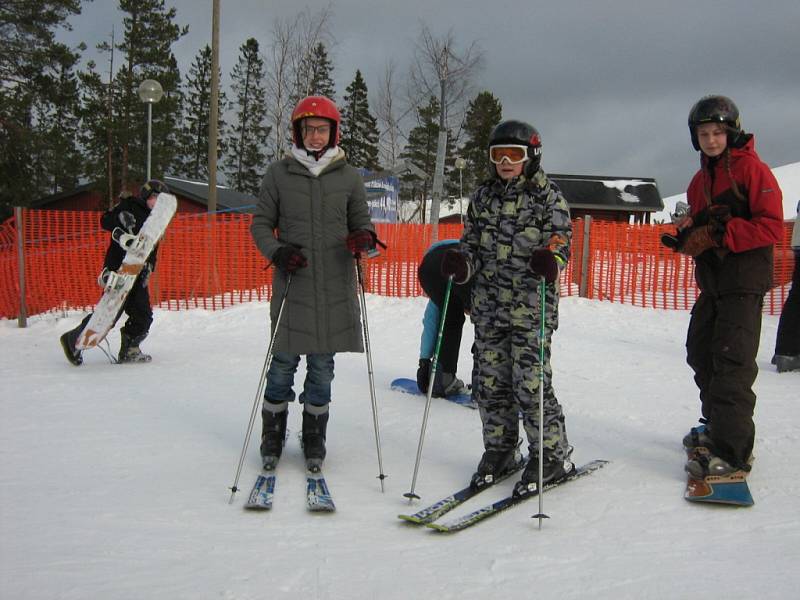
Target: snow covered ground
114 479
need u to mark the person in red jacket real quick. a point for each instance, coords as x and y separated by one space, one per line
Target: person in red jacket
735 218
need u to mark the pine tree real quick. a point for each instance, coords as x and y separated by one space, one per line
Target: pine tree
192 158
314 77
31 65
421 150
483 113
359 136
149 32
247 136
321 73
58 118
101 155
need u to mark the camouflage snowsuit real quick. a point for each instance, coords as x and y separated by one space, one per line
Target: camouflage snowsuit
505 223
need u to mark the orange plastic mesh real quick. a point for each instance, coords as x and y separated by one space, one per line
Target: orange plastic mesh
211 262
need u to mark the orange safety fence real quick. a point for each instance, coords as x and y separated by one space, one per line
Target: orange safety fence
211 262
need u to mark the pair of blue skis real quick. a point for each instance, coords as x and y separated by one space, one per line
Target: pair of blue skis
318 496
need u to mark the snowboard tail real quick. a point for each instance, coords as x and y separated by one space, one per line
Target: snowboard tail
729 489
409 386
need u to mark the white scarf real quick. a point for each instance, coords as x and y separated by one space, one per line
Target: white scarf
313 165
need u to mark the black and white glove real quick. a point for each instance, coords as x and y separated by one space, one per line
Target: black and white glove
127 220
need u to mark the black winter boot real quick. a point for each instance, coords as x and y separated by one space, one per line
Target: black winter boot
129 349
494 463
68 345
553 469
315 424
273 432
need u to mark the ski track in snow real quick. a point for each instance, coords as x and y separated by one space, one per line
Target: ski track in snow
114 480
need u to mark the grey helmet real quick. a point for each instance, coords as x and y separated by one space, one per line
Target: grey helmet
717 109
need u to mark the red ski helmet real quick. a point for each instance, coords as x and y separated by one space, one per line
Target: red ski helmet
321 108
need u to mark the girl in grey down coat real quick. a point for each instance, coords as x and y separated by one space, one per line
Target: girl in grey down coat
315 214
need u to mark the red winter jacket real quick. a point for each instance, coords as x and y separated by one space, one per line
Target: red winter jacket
744 264
761 222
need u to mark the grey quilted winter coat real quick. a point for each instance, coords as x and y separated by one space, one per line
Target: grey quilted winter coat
315 213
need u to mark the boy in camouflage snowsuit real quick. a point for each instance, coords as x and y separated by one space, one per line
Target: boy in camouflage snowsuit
517 231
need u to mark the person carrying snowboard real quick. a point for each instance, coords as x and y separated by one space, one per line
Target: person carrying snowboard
735 217
312 218
129 214
435 285
517 232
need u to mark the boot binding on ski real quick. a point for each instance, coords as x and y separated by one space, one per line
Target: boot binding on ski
552 470
493 464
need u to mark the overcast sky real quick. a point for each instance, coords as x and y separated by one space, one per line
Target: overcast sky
609 84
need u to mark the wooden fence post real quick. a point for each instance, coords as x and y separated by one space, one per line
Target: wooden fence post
22 318
587 227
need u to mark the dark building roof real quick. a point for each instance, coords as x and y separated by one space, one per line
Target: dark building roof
624 194
86 188
227 199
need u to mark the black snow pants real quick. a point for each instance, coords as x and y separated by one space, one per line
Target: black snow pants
721 347
435 286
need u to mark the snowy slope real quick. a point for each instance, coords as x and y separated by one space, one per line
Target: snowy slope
788 177
119 492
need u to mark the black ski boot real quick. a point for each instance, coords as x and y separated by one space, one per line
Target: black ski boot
553 469
786 363
493 464
315 424
447 384
273 432
68 345
129 350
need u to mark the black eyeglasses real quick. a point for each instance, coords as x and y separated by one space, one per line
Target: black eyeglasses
320 129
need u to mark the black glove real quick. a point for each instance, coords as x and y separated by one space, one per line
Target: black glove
673 242
543 263
289 259
127 220
424 374
360 240
455 263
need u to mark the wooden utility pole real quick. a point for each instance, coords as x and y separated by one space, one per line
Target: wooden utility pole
19 215
213 121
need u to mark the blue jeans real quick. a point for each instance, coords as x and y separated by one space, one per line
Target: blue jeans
317 386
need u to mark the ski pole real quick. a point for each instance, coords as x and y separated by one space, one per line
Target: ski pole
540 515
260 391
434 365
360 272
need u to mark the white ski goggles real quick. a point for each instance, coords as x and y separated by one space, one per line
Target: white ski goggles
511 153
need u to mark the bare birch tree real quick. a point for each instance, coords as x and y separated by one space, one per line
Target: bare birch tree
387 111
287 69
439 71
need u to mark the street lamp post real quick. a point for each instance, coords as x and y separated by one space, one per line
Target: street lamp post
460 164
150 92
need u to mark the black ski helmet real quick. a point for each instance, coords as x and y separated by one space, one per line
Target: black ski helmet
716 109
520 133
154 186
